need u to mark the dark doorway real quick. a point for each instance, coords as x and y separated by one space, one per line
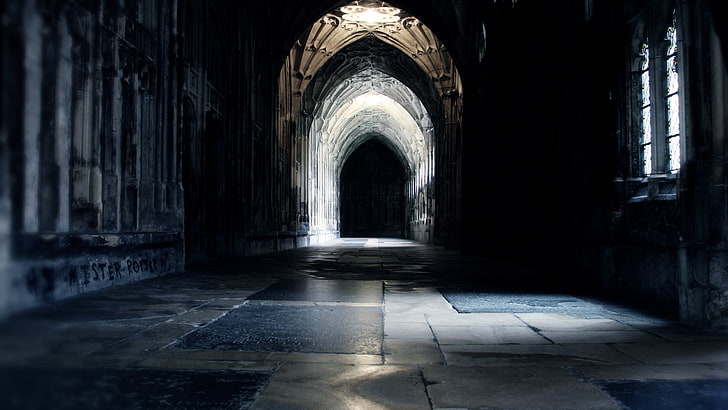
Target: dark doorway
372 193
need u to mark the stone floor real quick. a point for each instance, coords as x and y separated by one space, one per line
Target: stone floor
356 324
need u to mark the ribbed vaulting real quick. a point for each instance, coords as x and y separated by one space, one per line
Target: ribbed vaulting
348 83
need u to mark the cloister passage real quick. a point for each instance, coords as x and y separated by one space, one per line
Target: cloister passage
372 192
585 138
188 168
369 87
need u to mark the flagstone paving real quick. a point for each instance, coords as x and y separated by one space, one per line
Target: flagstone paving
354 324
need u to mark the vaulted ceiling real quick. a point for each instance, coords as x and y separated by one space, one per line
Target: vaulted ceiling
371 64
333 32
368 70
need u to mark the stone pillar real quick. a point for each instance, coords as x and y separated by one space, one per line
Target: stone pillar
33 70
703 270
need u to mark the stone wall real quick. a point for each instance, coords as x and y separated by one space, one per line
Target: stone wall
670 233
138 136
91 193
550 136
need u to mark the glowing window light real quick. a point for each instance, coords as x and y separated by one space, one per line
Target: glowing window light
370 15
646 127
672 99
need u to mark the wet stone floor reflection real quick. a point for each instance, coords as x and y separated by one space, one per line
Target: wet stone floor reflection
355 324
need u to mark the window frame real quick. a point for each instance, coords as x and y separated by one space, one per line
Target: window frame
673 56
645 113
652 32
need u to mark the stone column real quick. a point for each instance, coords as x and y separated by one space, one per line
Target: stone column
703 270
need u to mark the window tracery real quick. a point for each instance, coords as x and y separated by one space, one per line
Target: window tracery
672 100
646 112
658 140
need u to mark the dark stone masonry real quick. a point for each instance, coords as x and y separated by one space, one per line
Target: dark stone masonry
584 141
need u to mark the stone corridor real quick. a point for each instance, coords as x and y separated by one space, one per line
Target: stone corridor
354 324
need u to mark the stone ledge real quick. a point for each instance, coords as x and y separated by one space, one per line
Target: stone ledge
47 274
40 245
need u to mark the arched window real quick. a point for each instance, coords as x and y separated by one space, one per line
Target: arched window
658 101
672 101
646 112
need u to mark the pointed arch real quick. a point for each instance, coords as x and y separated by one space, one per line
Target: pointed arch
345 81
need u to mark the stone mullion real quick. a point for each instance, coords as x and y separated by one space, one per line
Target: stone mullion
327 192
294 184
280 136
273 168
148 124
318 212
98 118
309 172
10 40
431 186
62 129
130 137
158 141
629 119
148 132
172 109
287 131
112 114
49 169
84 214
449 170
303 199
290 173
250 138
16 214
164 89
657 88
440 181
31 116
255 155
319 190
283 131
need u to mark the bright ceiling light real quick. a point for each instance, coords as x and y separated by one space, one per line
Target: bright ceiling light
370 15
